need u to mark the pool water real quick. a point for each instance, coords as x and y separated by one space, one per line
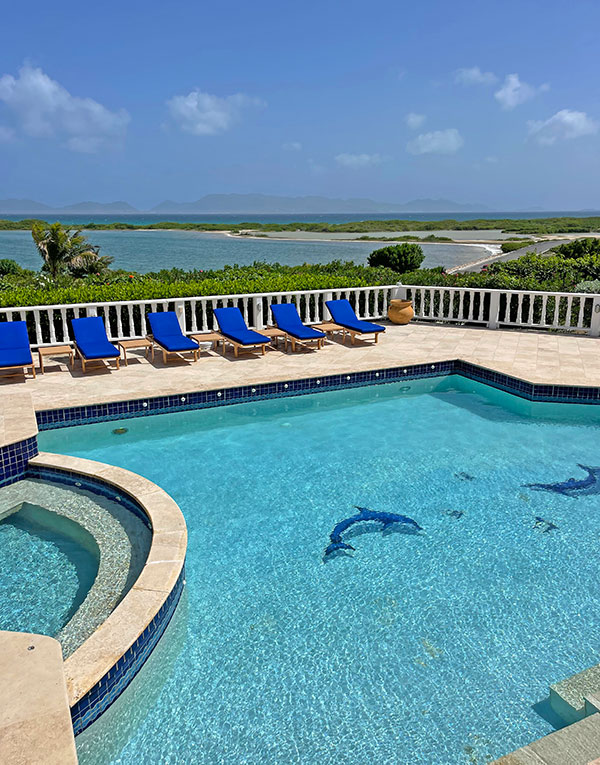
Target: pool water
48 563
434 647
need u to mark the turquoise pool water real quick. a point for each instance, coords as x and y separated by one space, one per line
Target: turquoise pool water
48 564
436 647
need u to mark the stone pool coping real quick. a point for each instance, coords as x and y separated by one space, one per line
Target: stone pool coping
164 566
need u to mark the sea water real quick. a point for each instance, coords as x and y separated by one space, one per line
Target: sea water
152 250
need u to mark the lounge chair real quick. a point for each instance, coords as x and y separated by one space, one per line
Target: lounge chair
15 352
91 342
167 334
344 316
287 319
233 330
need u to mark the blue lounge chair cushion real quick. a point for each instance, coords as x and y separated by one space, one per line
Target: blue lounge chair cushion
14 344
91 340
232 325
167 332
287 318
342 313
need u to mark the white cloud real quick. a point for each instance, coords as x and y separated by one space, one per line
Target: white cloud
437 142
514 92
292 146
356 161
474 76
6 134
201 113
414 120
491 159
562 126
45 109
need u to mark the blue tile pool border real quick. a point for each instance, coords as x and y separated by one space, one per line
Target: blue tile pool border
88 483
14 459
113 683
50 419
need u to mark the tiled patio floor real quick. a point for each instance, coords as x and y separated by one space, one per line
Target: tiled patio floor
533 356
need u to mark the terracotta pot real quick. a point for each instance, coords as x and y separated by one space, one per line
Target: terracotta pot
400 311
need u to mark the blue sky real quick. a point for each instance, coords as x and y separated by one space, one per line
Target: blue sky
483 101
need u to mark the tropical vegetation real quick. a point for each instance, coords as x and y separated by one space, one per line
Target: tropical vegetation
519 226
24 287
399 257
65 251
568 268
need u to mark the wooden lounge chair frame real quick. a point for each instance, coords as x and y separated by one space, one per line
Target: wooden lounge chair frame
293 340
20 366
85 361
166 353
237 346
329 327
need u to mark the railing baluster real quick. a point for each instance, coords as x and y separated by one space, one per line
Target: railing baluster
52 327
581 313
568 314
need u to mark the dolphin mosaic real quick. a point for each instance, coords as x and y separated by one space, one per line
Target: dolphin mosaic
573 487
364 514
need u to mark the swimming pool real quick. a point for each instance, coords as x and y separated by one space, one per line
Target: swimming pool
437 647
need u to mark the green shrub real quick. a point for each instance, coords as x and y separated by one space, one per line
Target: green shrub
579 248
400 257
8 266
515 245
593 287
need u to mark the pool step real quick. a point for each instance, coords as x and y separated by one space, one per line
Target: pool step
577 744
35 720
568 697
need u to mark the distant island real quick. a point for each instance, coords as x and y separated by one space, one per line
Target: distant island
242 204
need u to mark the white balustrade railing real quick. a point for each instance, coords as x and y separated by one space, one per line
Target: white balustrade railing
126 319
564 311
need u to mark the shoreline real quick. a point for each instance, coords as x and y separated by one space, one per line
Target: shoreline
493 246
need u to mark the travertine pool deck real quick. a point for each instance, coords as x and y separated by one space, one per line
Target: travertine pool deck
538 357
35 722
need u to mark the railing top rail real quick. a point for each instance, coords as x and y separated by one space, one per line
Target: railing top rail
145 301
503 292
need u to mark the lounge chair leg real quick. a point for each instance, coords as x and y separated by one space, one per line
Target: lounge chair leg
33 370
118 363
235 351
376 337
263 349
164 353
83 365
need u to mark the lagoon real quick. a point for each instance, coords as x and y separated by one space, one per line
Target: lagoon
152 250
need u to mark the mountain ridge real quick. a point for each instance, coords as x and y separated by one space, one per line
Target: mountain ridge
246 204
